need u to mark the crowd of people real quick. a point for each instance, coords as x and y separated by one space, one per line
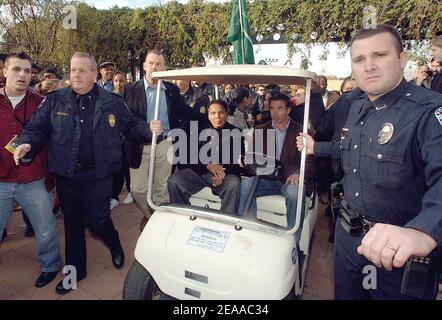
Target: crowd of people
75 143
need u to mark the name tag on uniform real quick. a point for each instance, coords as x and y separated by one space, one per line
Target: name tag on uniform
12 144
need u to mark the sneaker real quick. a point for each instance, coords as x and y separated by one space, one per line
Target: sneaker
113 204
128 199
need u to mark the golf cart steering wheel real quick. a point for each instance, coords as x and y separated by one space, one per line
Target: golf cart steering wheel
259 164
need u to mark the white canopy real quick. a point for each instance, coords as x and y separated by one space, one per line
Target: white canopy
237 74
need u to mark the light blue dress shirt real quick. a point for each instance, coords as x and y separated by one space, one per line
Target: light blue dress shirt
107 85
280 136
151 93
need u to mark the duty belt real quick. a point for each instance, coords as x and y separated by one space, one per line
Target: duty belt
352 221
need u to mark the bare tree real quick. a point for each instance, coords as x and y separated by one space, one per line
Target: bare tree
31 26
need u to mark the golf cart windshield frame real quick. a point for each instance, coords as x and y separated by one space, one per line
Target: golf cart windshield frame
236 74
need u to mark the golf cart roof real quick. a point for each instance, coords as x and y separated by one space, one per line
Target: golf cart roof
237 74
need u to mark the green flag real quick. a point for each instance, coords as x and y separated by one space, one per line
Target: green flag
239 34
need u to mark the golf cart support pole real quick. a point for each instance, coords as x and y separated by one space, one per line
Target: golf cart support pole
216 92
153 148
299 205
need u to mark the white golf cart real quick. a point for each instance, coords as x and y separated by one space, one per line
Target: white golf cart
198 252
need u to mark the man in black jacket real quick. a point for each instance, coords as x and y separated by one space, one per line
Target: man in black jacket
193 97
212 170
82 126
207 88
174 114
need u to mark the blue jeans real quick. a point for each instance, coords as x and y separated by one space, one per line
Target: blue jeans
38 204
267 188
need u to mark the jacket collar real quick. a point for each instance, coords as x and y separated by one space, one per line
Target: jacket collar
104 98
148 85
385 101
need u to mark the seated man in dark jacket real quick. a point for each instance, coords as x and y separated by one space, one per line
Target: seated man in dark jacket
211 171
284 131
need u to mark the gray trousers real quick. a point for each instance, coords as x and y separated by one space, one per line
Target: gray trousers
139 178
184 183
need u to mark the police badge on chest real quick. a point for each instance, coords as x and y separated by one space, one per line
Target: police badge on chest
385 133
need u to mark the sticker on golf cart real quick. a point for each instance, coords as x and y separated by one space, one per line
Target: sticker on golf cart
214 240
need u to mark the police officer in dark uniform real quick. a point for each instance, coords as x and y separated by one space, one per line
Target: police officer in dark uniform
82 125
193 97
390 153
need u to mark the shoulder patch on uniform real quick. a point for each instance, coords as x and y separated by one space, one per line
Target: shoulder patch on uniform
438 114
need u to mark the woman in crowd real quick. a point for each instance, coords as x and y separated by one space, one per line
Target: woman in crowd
264 116
238 116
436 52
228 87
119 177
119 81
347 85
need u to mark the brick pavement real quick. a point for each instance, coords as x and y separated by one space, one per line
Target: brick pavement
19 268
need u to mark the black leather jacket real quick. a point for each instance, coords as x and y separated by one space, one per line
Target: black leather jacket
57 123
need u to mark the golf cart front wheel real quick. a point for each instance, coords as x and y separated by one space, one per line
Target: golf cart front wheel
139 284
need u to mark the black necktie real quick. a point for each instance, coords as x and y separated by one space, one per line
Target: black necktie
81 102
367 106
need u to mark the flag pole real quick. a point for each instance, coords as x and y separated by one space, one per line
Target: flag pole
242 30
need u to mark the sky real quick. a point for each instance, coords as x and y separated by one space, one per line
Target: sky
106 4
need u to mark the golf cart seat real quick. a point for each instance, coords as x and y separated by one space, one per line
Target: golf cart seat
270 209
205 198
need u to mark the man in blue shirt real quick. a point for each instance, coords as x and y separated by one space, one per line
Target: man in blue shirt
284 130
390 152
107 74
173 113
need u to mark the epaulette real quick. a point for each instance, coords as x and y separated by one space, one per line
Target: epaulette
422 96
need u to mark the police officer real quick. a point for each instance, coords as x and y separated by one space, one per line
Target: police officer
82 126
391 156
107 71
193 97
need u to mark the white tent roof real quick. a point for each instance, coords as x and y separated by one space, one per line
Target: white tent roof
237 74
